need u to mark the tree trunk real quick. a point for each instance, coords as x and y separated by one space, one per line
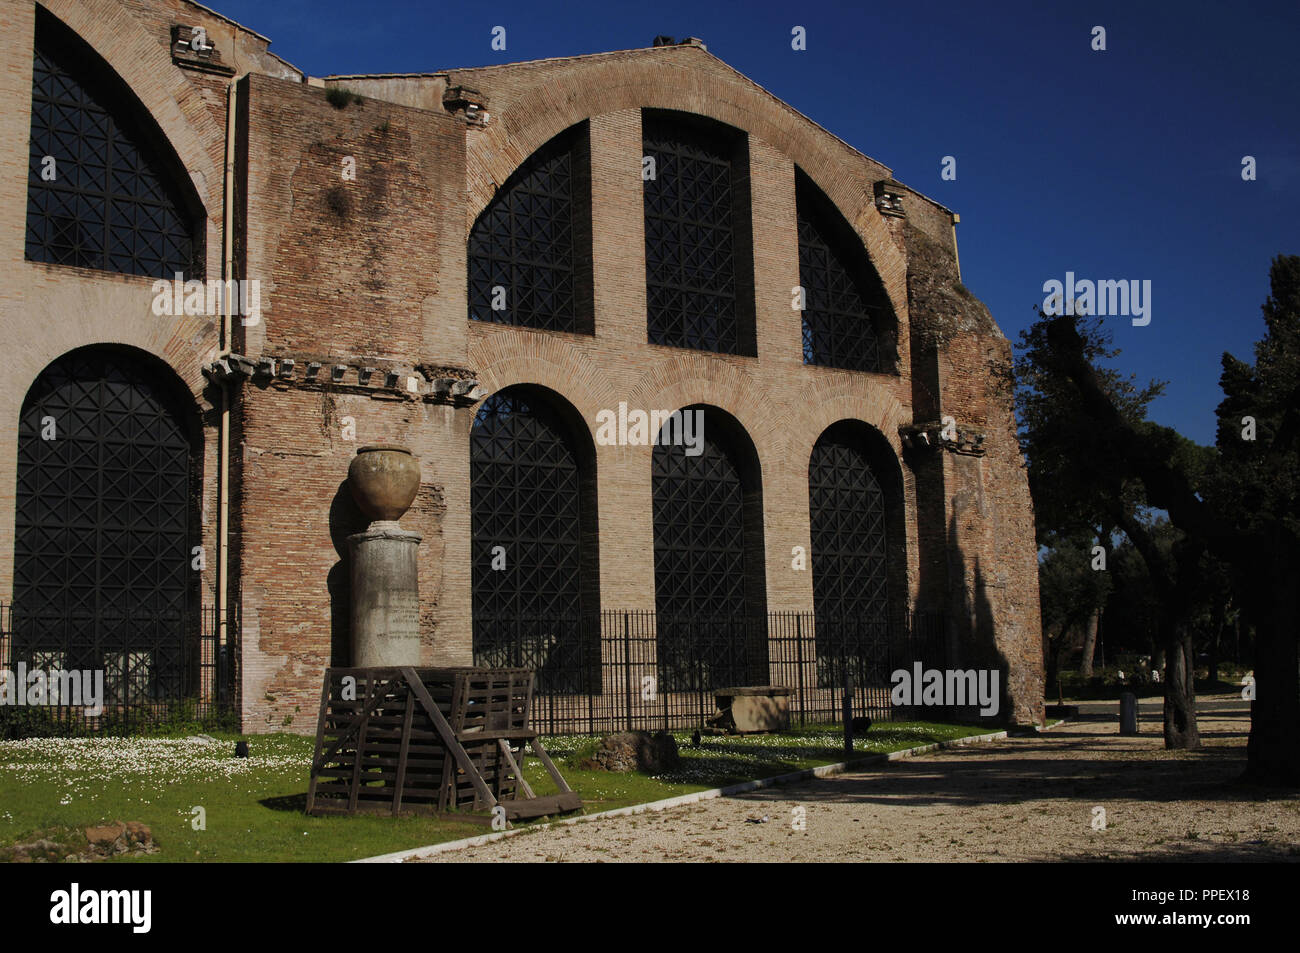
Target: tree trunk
1052 656
1180 691
1216 626
1089 643
1273 752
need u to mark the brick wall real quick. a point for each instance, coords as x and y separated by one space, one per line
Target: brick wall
371 273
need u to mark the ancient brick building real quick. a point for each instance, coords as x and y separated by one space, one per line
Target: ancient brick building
482 265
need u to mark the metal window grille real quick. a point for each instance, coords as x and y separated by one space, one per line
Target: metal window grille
690 239
97 193
849 561
839 314
102 550
526 499
522 248
700 559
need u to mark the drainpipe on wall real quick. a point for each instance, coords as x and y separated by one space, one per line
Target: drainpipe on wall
957 220
223 447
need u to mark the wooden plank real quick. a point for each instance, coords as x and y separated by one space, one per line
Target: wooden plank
320 739
550 767
492 734
528 700
540 806
356 724
361 744
514 766
404 751
456 710
448 737
446 790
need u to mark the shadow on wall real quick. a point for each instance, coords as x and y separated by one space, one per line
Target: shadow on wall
346 518
974 627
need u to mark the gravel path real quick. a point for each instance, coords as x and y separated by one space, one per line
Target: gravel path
1023 799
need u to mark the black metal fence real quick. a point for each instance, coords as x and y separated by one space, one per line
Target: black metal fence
624 670
116 673
639 670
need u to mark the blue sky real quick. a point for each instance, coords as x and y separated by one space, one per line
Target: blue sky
1122 164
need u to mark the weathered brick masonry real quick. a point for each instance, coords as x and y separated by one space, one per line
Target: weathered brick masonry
366 294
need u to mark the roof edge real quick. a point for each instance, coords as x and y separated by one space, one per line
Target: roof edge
236 23
446 74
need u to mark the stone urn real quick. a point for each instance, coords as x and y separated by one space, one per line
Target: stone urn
384 480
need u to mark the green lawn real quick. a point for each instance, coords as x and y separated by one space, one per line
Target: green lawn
53 787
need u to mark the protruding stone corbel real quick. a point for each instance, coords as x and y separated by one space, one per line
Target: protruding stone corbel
889 198
192 48
467 103
945 434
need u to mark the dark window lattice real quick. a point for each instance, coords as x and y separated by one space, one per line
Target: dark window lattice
109 206
700 561
838 318
524 243
526 497
690 239
849 562
102 574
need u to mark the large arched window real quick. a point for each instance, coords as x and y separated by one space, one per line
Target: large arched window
854 511
104 188
107 494
848 321
710 596
533 528
530 250
698 241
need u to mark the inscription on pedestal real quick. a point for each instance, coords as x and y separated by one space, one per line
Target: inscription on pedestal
385 598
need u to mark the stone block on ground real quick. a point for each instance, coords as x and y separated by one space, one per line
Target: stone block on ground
636 751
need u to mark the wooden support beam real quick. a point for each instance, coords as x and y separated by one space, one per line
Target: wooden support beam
448 736
516 767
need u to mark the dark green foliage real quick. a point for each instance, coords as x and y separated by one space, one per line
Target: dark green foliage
1236 508
1097 465
1073 475
1255 490
32 721
340 97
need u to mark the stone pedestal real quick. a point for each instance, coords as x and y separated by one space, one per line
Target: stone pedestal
385 596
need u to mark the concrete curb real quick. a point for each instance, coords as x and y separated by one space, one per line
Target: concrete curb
743 787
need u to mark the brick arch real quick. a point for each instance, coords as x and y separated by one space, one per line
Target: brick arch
699 379
507 360
865 403
73 317
691 80
146 357
176 105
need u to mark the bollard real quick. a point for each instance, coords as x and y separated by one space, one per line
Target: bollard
1128 714
848 713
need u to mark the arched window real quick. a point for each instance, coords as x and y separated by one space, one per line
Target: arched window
533 529
854 510
530 250
848 320
698 242
107 494
104 188
710 596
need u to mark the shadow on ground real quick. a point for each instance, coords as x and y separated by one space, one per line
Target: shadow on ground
1080 760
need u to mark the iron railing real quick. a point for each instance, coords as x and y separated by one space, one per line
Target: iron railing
167 669
637 670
